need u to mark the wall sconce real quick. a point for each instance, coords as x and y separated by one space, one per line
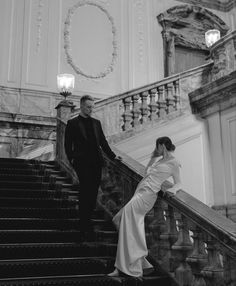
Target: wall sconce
211 36
65 84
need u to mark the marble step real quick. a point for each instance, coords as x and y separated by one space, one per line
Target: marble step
32 178
17 268
24 212
41 236
107 235
12 176
28 172
88 280
56 250
49 224
24 193
16 165
36 202
13 184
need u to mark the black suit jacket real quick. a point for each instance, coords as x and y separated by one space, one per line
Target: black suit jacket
76 141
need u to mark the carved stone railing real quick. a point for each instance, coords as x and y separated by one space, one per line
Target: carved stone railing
191 241
223 54
135 109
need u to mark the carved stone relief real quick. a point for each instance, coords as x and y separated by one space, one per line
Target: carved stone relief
185 26
221 5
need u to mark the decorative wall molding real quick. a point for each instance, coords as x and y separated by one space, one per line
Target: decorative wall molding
67 42
39 24
220 5
139 4
31 102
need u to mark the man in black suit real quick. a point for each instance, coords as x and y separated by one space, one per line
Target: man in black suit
84 143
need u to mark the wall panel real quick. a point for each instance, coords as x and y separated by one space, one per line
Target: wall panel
228 123
41 44
11 32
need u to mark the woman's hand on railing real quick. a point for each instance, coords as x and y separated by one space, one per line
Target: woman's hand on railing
173 190
118 158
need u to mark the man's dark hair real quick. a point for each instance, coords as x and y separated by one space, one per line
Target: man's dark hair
85 97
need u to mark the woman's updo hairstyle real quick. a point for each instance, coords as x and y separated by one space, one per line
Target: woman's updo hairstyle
167 142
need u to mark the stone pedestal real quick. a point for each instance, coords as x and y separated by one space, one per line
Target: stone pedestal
64 110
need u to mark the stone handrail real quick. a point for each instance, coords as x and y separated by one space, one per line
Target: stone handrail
136 108
190 240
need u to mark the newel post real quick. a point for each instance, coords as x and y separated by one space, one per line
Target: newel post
64 109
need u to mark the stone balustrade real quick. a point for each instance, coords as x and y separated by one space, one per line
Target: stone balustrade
191 241
133 110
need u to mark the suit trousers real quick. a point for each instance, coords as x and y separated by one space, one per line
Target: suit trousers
89 174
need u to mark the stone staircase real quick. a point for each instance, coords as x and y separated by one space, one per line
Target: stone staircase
40 241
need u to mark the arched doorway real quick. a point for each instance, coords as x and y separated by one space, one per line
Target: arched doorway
183 33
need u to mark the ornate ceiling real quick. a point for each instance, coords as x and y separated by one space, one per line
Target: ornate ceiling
221 5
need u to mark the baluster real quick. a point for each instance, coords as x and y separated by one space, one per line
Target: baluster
127 113
153 105
198 258
170 97
229 270
176 95
169 237
121 117
182 247
213 271
161 102
136 110
144 107
158 226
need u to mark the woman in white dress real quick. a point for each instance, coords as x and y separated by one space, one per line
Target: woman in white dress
132 248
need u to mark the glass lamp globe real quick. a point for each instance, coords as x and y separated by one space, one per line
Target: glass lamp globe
211 36
65 84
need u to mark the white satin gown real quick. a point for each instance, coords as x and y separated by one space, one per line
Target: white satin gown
132 248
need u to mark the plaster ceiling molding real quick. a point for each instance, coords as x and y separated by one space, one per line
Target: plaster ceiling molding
188 25
220 5
39 24
67 41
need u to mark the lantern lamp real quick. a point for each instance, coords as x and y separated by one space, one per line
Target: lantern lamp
211 36
65 84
